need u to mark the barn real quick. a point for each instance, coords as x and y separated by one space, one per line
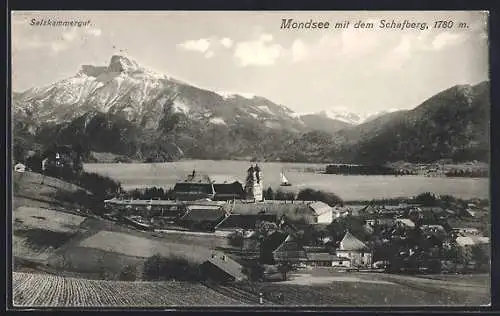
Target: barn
221 268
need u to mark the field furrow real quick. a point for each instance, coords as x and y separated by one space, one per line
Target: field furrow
50 290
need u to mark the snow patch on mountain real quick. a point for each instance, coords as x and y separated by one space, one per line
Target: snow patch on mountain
265 108
343 115
217 121
229 95
181 107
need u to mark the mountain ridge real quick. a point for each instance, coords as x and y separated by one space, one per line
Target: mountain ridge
153 117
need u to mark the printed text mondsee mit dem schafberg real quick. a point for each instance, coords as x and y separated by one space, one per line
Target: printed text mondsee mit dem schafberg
383 24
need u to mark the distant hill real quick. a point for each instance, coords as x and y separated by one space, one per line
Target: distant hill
321 122
452 124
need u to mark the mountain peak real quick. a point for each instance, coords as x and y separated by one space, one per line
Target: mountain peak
120 63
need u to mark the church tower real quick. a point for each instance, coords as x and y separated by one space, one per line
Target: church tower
253 185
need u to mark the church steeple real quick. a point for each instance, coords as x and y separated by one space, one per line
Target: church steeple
253 185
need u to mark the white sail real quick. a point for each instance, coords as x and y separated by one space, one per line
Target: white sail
283 178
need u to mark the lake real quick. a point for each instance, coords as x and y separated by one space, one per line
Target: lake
301 175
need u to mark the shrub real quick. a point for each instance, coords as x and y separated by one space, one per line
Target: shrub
316 195
254 271
269 194
129 273
236 239
427 199
159 268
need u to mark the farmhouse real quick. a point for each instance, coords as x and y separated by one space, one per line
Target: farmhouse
358 253
60 156
219 267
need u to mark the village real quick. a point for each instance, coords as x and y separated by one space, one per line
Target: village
291 234
272 235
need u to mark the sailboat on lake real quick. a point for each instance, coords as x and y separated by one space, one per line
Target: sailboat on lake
284 180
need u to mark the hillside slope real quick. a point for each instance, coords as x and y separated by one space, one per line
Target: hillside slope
452 124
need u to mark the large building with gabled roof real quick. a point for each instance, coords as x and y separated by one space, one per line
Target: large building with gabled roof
199 186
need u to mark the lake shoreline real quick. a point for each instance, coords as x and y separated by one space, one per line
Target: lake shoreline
348 187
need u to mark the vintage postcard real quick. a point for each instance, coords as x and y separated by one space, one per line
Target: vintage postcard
173 159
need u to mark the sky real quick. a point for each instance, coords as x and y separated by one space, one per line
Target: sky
309 70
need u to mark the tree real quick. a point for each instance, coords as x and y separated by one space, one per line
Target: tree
269 194
316 195
158 267
480 256
236 239
129 273
254 271
427 199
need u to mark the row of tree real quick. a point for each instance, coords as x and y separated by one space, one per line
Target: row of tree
365 170
307 194
467 173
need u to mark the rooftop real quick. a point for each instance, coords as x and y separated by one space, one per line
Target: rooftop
140 202
226 264
204 214
350 242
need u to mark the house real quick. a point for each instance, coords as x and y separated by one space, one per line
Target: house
379 221
433 229
405 222
355 250
322 212
269 244
369 209
469 212
325 259
61 157
472 241
340 211
351 209
19 167
290 251
466 231
220 267
281 247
